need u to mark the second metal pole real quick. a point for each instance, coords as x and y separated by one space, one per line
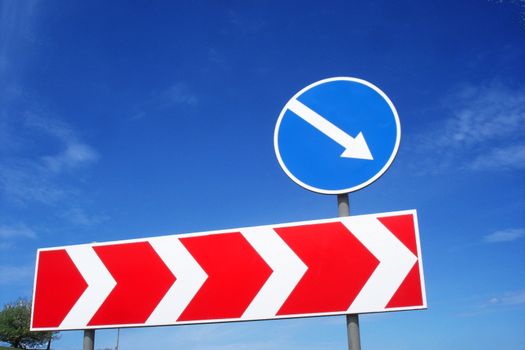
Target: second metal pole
352 321
89 339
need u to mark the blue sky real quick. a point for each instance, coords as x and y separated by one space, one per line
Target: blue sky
123 120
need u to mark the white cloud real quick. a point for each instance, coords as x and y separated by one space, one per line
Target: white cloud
504 158
178 94
6 246
495 303
17 231
519 3
42 157
15 274
75 155
246 23
27 176
16 19
484 130
79 216
32 164
508 299
23 181
49 126
268 335
9 237
484 114
507 235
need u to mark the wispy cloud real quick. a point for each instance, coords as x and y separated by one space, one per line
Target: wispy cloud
27 176
494 303
232 336
484 114
16 231
519 3
31 163
246 23
507 299
79 216
484 130
16 19
179 94
23 181
15 274
74 153
507 235
4 246
501 158
41 156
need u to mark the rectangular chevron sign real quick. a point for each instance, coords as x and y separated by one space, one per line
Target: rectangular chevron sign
355 264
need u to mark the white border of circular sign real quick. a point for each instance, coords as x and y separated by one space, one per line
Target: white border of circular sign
344 190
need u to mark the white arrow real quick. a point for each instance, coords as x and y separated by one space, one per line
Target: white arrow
287 268
189 274
354 147
395 262
100 284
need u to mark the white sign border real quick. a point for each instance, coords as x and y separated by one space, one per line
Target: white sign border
412 212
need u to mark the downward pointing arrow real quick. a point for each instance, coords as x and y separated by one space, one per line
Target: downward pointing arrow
354 147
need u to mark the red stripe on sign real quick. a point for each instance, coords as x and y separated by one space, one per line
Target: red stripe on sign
235 271
338 268
409 292
142 281
402 226
59 284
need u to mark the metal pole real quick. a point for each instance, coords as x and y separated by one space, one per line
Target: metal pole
118 338
352 321
352 325
89 339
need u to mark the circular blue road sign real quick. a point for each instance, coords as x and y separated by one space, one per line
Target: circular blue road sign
337 135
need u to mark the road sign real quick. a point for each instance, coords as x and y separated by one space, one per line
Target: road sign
357 264
337 135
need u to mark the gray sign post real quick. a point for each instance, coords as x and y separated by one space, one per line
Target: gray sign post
352 321
89 339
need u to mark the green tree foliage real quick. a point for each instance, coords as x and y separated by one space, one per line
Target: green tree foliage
14 327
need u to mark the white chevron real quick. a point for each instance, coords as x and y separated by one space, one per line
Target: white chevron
189 279
100 284
287 268
395 262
